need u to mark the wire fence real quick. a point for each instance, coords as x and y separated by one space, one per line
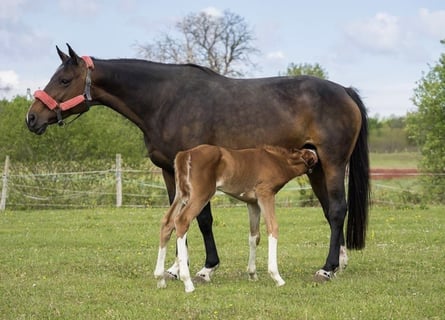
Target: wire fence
75 185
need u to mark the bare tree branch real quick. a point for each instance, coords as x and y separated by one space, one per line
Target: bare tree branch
218 42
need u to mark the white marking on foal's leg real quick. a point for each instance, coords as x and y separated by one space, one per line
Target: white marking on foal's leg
159 271
343 259
273 265
184 272
251 266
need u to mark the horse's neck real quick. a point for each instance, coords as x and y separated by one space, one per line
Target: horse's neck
127 86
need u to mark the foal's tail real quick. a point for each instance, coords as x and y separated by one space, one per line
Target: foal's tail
358 189
182 173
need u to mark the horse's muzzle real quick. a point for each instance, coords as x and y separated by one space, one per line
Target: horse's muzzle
32 124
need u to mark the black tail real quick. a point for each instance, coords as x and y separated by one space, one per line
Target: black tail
358 189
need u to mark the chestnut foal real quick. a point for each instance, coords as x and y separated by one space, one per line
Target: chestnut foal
250 175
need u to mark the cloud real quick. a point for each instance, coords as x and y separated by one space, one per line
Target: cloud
276 55
433 23
11 9
212 11
9 80
385 34
18 40
80 7
382 34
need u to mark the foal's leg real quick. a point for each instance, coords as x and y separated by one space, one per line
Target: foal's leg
254 238
267 206
169 179
182 224
167 226
205 221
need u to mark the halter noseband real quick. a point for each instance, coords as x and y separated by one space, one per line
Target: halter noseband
52 104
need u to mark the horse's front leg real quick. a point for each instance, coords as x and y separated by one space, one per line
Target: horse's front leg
254 238
205 221
267 206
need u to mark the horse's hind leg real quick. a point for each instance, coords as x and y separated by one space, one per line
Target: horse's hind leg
254 238
331 193
182 224
167 226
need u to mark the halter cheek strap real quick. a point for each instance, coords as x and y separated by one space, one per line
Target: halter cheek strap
52 104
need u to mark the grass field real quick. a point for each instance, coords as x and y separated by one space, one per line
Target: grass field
98 264
397 160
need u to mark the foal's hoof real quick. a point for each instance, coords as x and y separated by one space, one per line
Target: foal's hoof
323 276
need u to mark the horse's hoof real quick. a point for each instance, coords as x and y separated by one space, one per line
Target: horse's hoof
170 276
253 277
200 279
323 276
203 276
280 283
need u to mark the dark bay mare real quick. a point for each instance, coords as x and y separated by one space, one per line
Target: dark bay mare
178 107
253 176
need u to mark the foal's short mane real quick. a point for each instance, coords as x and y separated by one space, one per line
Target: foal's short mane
280 150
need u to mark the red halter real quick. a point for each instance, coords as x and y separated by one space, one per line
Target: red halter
70 103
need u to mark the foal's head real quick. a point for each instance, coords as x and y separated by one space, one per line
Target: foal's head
308 157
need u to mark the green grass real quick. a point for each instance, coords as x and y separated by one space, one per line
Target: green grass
397 160
98 264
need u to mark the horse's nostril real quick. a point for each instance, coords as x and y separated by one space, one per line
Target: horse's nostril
31 119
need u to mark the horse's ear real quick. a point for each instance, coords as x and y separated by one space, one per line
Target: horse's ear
73 55
63 56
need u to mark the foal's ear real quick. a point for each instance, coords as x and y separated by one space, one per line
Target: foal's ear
310 156
63 56
73 55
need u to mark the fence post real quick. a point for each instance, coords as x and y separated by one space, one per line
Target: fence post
118 180
5 185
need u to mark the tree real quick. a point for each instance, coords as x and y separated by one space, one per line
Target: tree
99 134
221 42
306 69
426 127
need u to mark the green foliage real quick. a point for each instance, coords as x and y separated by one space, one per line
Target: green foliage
306 69
389 135
98 264
98 134
426 127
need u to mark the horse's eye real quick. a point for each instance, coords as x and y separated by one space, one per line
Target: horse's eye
64 81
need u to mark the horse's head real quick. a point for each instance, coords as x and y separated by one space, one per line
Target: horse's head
67 93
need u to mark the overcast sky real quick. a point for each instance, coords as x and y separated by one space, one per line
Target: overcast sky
381 47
